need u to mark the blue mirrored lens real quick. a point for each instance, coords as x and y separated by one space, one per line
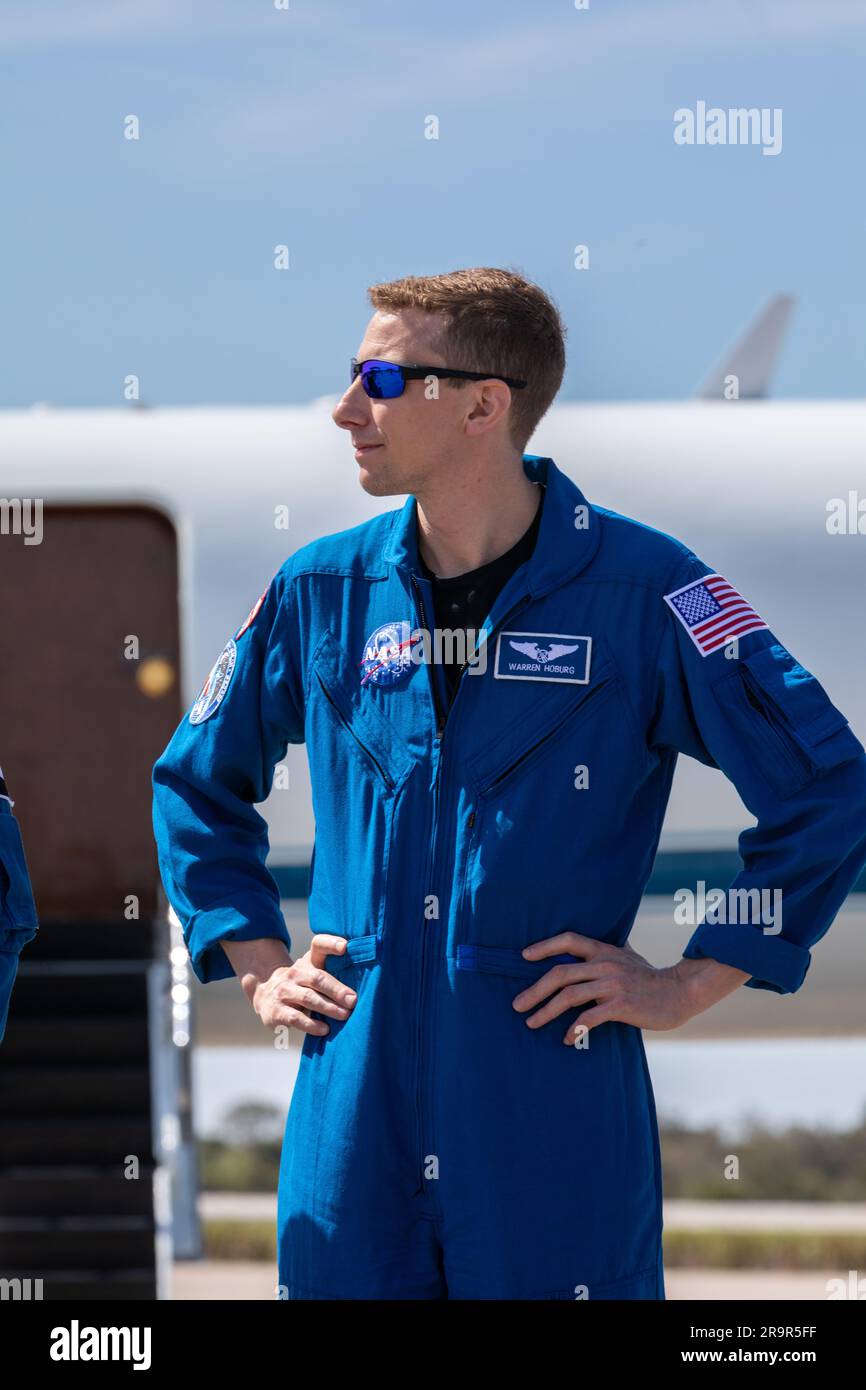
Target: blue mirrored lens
382 381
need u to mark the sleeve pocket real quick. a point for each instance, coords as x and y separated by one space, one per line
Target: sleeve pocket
785 718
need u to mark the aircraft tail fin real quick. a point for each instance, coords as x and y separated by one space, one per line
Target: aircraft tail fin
753 359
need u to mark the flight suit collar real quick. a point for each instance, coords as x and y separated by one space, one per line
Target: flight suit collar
568 535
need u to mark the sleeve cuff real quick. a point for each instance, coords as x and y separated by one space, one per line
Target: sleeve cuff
207 929
14 939
773 962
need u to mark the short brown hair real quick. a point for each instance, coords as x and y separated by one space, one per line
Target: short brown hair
496 321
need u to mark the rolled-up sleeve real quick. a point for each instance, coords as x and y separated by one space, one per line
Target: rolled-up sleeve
751 709
212 843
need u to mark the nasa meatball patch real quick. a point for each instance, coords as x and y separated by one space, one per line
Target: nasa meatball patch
387 654
542 656
216 685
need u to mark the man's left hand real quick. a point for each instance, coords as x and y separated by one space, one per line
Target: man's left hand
625 987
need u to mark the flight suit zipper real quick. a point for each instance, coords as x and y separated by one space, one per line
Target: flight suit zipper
428 878
441 718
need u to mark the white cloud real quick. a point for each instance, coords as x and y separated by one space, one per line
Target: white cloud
681 22
50 23
315 93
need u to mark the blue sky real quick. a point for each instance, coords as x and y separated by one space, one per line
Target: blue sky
306 127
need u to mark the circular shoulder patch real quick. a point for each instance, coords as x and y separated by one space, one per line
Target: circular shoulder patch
216 684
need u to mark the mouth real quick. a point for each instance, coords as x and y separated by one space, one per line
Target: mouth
361 450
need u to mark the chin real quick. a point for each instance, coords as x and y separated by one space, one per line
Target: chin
378 484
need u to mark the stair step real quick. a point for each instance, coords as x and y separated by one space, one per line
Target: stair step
116 939
85 1038
80 1090
41 991
75 1192
69 1243
76 1138
74 1102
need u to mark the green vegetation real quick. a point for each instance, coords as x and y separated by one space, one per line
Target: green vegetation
834 1250
225 1168
796 1165
240 1240
793 1250
247 1158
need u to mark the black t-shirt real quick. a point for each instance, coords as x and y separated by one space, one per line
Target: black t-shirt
464 600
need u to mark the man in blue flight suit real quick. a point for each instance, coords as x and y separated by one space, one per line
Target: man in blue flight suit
473 1115
17 909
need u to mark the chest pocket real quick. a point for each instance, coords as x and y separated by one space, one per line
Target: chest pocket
370 737
526 739
542 814
786 719
358 764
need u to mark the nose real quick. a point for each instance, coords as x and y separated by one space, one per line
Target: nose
353 407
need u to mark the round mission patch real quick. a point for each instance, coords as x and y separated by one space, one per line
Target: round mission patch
216 685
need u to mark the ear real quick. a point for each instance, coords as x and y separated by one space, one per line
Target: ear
487 406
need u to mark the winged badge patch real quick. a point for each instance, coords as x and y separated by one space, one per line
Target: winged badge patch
542 656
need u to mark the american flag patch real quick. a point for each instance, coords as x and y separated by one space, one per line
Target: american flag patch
713 612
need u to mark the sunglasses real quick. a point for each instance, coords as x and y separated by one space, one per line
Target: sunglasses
384 380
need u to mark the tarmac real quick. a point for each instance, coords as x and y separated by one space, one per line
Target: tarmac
245 1280
240 1282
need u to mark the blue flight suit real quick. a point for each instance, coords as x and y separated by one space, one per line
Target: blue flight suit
435 1145
17 910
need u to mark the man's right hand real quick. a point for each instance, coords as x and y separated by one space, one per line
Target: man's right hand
283 992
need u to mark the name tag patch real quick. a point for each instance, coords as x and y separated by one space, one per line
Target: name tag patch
542 656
